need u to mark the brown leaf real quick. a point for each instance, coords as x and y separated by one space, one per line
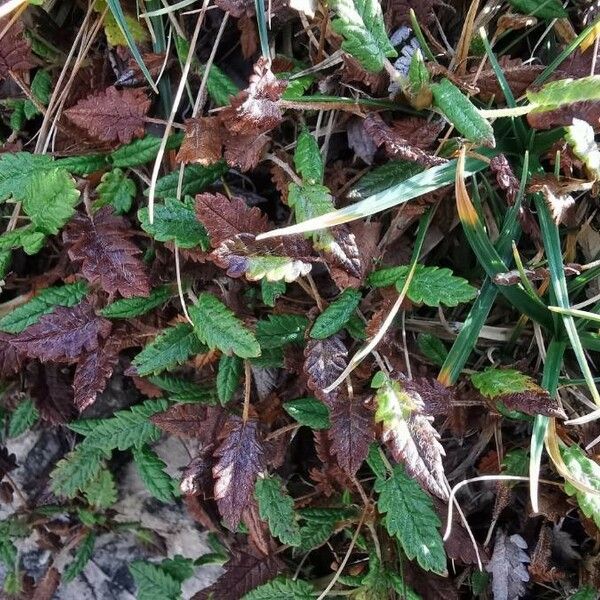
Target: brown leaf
343 250
244 571
15 49
108 257
197 476
245 151
533 402
325 360
8 462
183 420
420 132
258 530
396 145
223 219
398 11
112 115
351 432
540 568
237 8
586 110
133 75
46 587
353 72
63 334
256 109
236 256
505 178
52 392
240 458
202 142
93 371
437 398
10 361
248 36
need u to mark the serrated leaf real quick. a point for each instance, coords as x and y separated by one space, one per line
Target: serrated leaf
587 472
178 567
27 238
495 382
383 177
433 348
126 308
171 348
277 508
219 86
411 518
308 411
543 9
462 113
151 470
117 190
336 315
22 418
361 25
271 290
229 376
308 201
218 327
140 152
564 91
282 587
83 165
82 556
181 390
154 583
430 285
77 469
278 330
49 200
124 430
508 567
101 491
410 435
18 170
29 313
175 221
307 158
183 420
195 179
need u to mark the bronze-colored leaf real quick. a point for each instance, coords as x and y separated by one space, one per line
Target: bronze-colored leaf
52 392
324 362
244 152
202 142
183 420
10 361
15 49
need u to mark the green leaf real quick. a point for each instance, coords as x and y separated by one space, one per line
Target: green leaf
271 290
181 390
282 587
49 200
564 91
383 177
336 315
22 418
432 348
126 308
496 382
171 348
277 508
140 152
83 165
430 285
154 583
77 469
218 327
462 113
18 169
229 377
101 492
516 462
29 239
278 330
175 221
41 87
308 411
374 459
320 525
307 158
124 430
117 190
587 472
542 9
585 593
411 518
361 25
81 558
195 179
178 567
152 472
44 303
219 86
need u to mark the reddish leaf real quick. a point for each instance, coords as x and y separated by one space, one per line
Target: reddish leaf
53 393
354 73
324 362
112 115
240 458
533 402
243 572
398 11
562 116
202 142
343 251
108 257
15 49
505 178
420 132
46 587
93 371
183 420
64 334
224 219
237 8
248 36
258 530
437 398
256 109
245 151
10 361
398 146
351 432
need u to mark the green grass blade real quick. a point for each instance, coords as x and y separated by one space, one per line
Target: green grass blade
159 45
261 20
157 12
117 11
